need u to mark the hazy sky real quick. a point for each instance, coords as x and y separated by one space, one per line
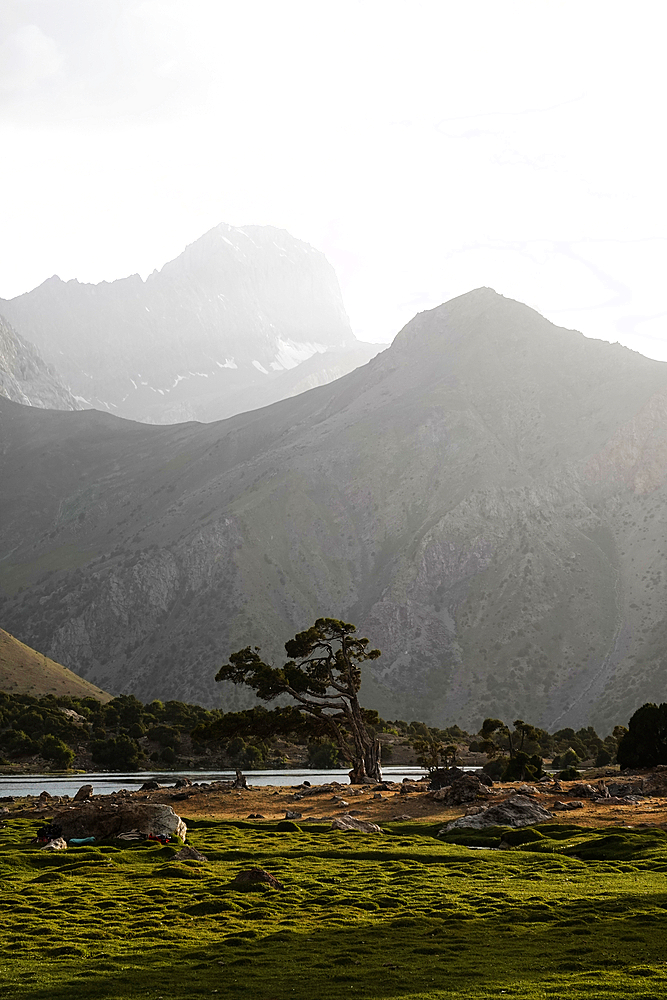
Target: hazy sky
426 147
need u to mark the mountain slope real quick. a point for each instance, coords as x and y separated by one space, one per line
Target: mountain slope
235 308
26 378
486 499
24 671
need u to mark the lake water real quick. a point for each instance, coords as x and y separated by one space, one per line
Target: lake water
105 782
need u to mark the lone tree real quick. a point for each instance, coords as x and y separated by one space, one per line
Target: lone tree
645 742
323 676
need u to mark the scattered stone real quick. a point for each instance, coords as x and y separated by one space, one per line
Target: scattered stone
583 791
546 779
182 782
149 786
573 804
255 875
485 778
188 853
105 819
85 792
621 788
378 795
349 823
290 814
382 787
59 844
413 787
44 796
400 819
526 790
255 816
515 811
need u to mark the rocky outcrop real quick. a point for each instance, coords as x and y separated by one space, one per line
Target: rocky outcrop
221 329
516 811
26 378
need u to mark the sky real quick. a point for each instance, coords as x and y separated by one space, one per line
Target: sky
426 148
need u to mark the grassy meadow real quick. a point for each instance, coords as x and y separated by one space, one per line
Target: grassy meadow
571 913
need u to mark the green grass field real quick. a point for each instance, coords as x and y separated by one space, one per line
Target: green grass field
575 913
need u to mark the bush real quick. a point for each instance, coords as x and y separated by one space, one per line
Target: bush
495 768
645 743
53 749
603 757
569 774
323 756
118 753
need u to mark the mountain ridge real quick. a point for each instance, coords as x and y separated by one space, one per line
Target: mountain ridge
486 499
230 314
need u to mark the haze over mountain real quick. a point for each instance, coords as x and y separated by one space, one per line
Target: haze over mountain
220 329
486 499
26 378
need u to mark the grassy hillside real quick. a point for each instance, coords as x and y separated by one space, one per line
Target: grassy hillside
25 671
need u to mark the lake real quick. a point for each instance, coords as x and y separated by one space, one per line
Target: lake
112 781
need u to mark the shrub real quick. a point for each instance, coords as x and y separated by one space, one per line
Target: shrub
53 749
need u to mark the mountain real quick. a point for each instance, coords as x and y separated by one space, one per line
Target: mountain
230 316
26 378
24 671
486 499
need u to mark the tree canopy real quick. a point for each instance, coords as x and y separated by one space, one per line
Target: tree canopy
645 743
323 676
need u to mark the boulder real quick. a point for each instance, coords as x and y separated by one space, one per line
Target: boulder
444 776
59 844
149 786
350 823
85 792
467 788
104 820
583 791
515 811
290 814
563 806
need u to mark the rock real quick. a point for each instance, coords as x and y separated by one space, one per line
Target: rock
546 779
515 811
149 786
188 853
467 788
378 795
525 790
182 782
103 820
85 792
485 778
290 814
444 776
621 788
349 823
574 804
382 787
413 787
582 791
400 819
44 796
255 875
255 816
59 844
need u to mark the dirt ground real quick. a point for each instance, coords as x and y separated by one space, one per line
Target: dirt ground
273 802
